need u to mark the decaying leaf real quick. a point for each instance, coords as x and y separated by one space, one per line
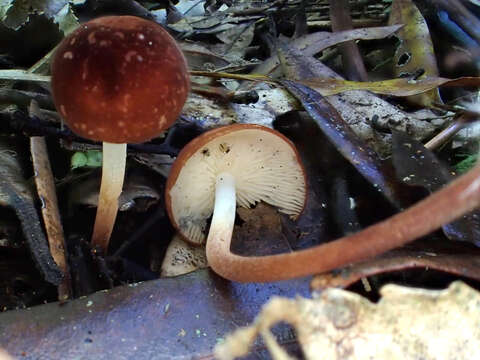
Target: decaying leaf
395 87
15 193
138 193
406 324
339 133
237 40
181 318
15 13
201 58
312 44
429 257
360 108
208 112
260 232
182 258
418 166
415 55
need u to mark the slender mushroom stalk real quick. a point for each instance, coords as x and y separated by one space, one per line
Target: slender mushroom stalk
442 207
223 219
119 80
113 174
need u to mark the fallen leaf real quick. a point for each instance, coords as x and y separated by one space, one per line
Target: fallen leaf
360 108
394 87
415 55
456 259
183 317
405 324
312 44
182 258
416 165
16 194
365 160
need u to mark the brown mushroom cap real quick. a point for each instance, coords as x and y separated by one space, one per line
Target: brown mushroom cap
264 163
119 79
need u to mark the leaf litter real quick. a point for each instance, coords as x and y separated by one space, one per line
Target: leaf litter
231 44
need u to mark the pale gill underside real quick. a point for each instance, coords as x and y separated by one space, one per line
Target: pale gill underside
265 168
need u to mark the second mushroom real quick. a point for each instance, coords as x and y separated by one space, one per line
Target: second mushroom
240 163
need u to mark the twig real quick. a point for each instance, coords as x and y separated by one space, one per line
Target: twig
351 58
51 215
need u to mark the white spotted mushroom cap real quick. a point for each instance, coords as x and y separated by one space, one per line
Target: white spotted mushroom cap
264 163
119 79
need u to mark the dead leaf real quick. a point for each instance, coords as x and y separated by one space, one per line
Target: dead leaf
138 193
406 324
15 193
312 44
453 258
394 87
360 108
348 143
260 232
182 258
415 55
415 165
183 317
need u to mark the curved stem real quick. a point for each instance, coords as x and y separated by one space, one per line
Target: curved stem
113 173
442 207
223 219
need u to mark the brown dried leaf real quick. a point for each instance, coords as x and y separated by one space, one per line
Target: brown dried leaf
451 258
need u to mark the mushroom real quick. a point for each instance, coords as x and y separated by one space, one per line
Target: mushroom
208 162
241 163
119 80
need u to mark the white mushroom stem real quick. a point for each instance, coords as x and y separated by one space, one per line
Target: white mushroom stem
442 207
113 173
223 218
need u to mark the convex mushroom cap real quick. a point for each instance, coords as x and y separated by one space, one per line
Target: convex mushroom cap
119 79
264 163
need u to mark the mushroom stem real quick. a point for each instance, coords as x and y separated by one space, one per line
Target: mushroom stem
442 207
223 219
113 173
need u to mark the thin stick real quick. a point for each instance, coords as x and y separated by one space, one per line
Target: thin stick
446 134
442 207
113 173
51 216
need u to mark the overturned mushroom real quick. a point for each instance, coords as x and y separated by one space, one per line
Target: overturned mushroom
238 163
118 79
444 206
